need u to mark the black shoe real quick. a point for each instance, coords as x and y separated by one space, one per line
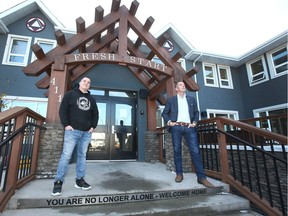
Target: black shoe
57 189
80 183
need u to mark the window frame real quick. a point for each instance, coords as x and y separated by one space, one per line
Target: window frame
214 73
229 80
43 40
225 112
35 102
8 47
271 64
256 112
250 73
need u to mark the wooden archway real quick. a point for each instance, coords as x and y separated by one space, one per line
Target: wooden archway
108 36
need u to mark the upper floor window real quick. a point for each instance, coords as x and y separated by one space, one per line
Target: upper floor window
257 72
219 76
17 50
210 75
277 61
45 44
225 79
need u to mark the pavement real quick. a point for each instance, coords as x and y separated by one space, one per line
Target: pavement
125 188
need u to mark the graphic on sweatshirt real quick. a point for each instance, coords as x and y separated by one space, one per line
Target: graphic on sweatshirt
83 103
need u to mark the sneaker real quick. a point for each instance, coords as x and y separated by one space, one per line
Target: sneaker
57 189
80 183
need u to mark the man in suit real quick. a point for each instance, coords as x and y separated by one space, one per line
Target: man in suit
181 115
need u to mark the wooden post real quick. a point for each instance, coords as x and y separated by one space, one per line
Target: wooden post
58 87
223 152
170 87
151 114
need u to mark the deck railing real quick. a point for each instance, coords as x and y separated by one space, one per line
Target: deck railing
19 143
251 160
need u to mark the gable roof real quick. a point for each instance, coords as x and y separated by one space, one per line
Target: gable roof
174 34
109 34
246 57
21 10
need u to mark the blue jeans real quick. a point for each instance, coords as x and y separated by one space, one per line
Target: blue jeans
190 135
78 138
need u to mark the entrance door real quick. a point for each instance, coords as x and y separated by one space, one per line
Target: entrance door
115 136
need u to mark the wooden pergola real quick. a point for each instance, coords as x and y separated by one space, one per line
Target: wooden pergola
107 41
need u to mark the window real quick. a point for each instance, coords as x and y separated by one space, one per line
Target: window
217 77
277 125
210 75
277 61
17 50
45 44
257 72
225 79
180 61
159 119
222 113
38 105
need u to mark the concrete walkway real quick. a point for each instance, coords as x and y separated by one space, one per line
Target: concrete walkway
122 178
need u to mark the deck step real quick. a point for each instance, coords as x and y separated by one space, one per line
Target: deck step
126 188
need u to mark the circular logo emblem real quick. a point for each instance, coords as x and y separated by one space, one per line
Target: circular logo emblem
35 24
169 45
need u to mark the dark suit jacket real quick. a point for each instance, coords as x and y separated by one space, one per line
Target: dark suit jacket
170 111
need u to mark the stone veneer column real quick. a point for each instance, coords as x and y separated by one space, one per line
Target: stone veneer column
50 149
152 151
186 158
151 146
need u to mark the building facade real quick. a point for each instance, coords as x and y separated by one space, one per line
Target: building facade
252 85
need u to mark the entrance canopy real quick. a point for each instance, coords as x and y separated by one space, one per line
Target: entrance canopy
109 35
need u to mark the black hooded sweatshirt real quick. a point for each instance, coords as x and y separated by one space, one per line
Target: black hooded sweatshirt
79 110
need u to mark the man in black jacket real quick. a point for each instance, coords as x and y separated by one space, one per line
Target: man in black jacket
181 115
79 115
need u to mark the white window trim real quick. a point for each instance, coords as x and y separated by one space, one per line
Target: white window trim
267 109
28 99
10 38
230 81
249 71
42 40
233 112
271 63
182 63
213 66
270 108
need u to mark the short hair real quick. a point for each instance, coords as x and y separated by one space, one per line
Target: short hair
85 77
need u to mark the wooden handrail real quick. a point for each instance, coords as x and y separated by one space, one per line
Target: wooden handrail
253 129
217 124
214 130
13 123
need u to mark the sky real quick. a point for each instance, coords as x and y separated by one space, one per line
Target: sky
225 27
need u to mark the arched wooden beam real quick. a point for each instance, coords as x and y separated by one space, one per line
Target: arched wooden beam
113 59
36 68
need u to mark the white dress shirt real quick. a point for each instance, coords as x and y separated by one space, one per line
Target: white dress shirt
183 111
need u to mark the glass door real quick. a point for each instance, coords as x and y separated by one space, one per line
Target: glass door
115 136
123 134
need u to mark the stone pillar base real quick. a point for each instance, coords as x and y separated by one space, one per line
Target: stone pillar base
50 149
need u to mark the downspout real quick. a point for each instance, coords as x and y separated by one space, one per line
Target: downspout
194 62
197 96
